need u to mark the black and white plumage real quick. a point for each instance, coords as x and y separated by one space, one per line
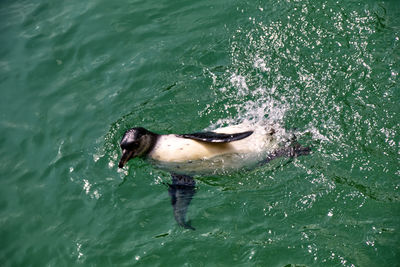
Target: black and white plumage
201 153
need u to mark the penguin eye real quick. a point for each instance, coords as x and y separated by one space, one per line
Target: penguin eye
133 145
130 146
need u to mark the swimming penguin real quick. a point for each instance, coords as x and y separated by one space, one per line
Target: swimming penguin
211 152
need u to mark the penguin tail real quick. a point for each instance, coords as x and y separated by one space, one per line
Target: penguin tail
293 151
298 150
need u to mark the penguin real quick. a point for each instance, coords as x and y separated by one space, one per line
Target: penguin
216 152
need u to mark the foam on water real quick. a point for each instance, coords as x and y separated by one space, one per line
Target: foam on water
253 91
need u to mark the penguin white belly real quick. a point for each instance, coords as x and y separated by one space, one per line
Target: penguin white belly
188 156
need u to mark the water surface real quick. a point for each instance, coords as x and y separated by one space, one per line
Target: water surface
75 75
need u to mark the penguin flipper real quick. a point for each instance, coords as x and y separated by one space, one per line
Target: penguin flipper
181 192
213 137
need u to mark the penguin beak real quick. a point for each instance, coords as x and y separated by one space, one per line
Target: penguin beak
126 155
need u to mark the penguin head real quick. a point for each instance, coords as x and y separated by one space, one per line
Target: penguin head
136 142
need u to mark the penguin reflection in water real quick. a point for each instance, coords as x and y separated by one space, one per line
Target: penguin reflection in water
206 153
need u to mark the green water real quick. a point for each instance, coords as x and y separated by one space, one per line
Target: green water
74 75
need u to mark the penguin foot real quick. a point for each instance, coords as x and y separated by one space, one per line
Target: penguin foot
291 152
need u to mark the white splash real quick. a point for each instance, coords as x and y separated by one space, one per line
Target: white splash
78 250
259 63
86 186
239 82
